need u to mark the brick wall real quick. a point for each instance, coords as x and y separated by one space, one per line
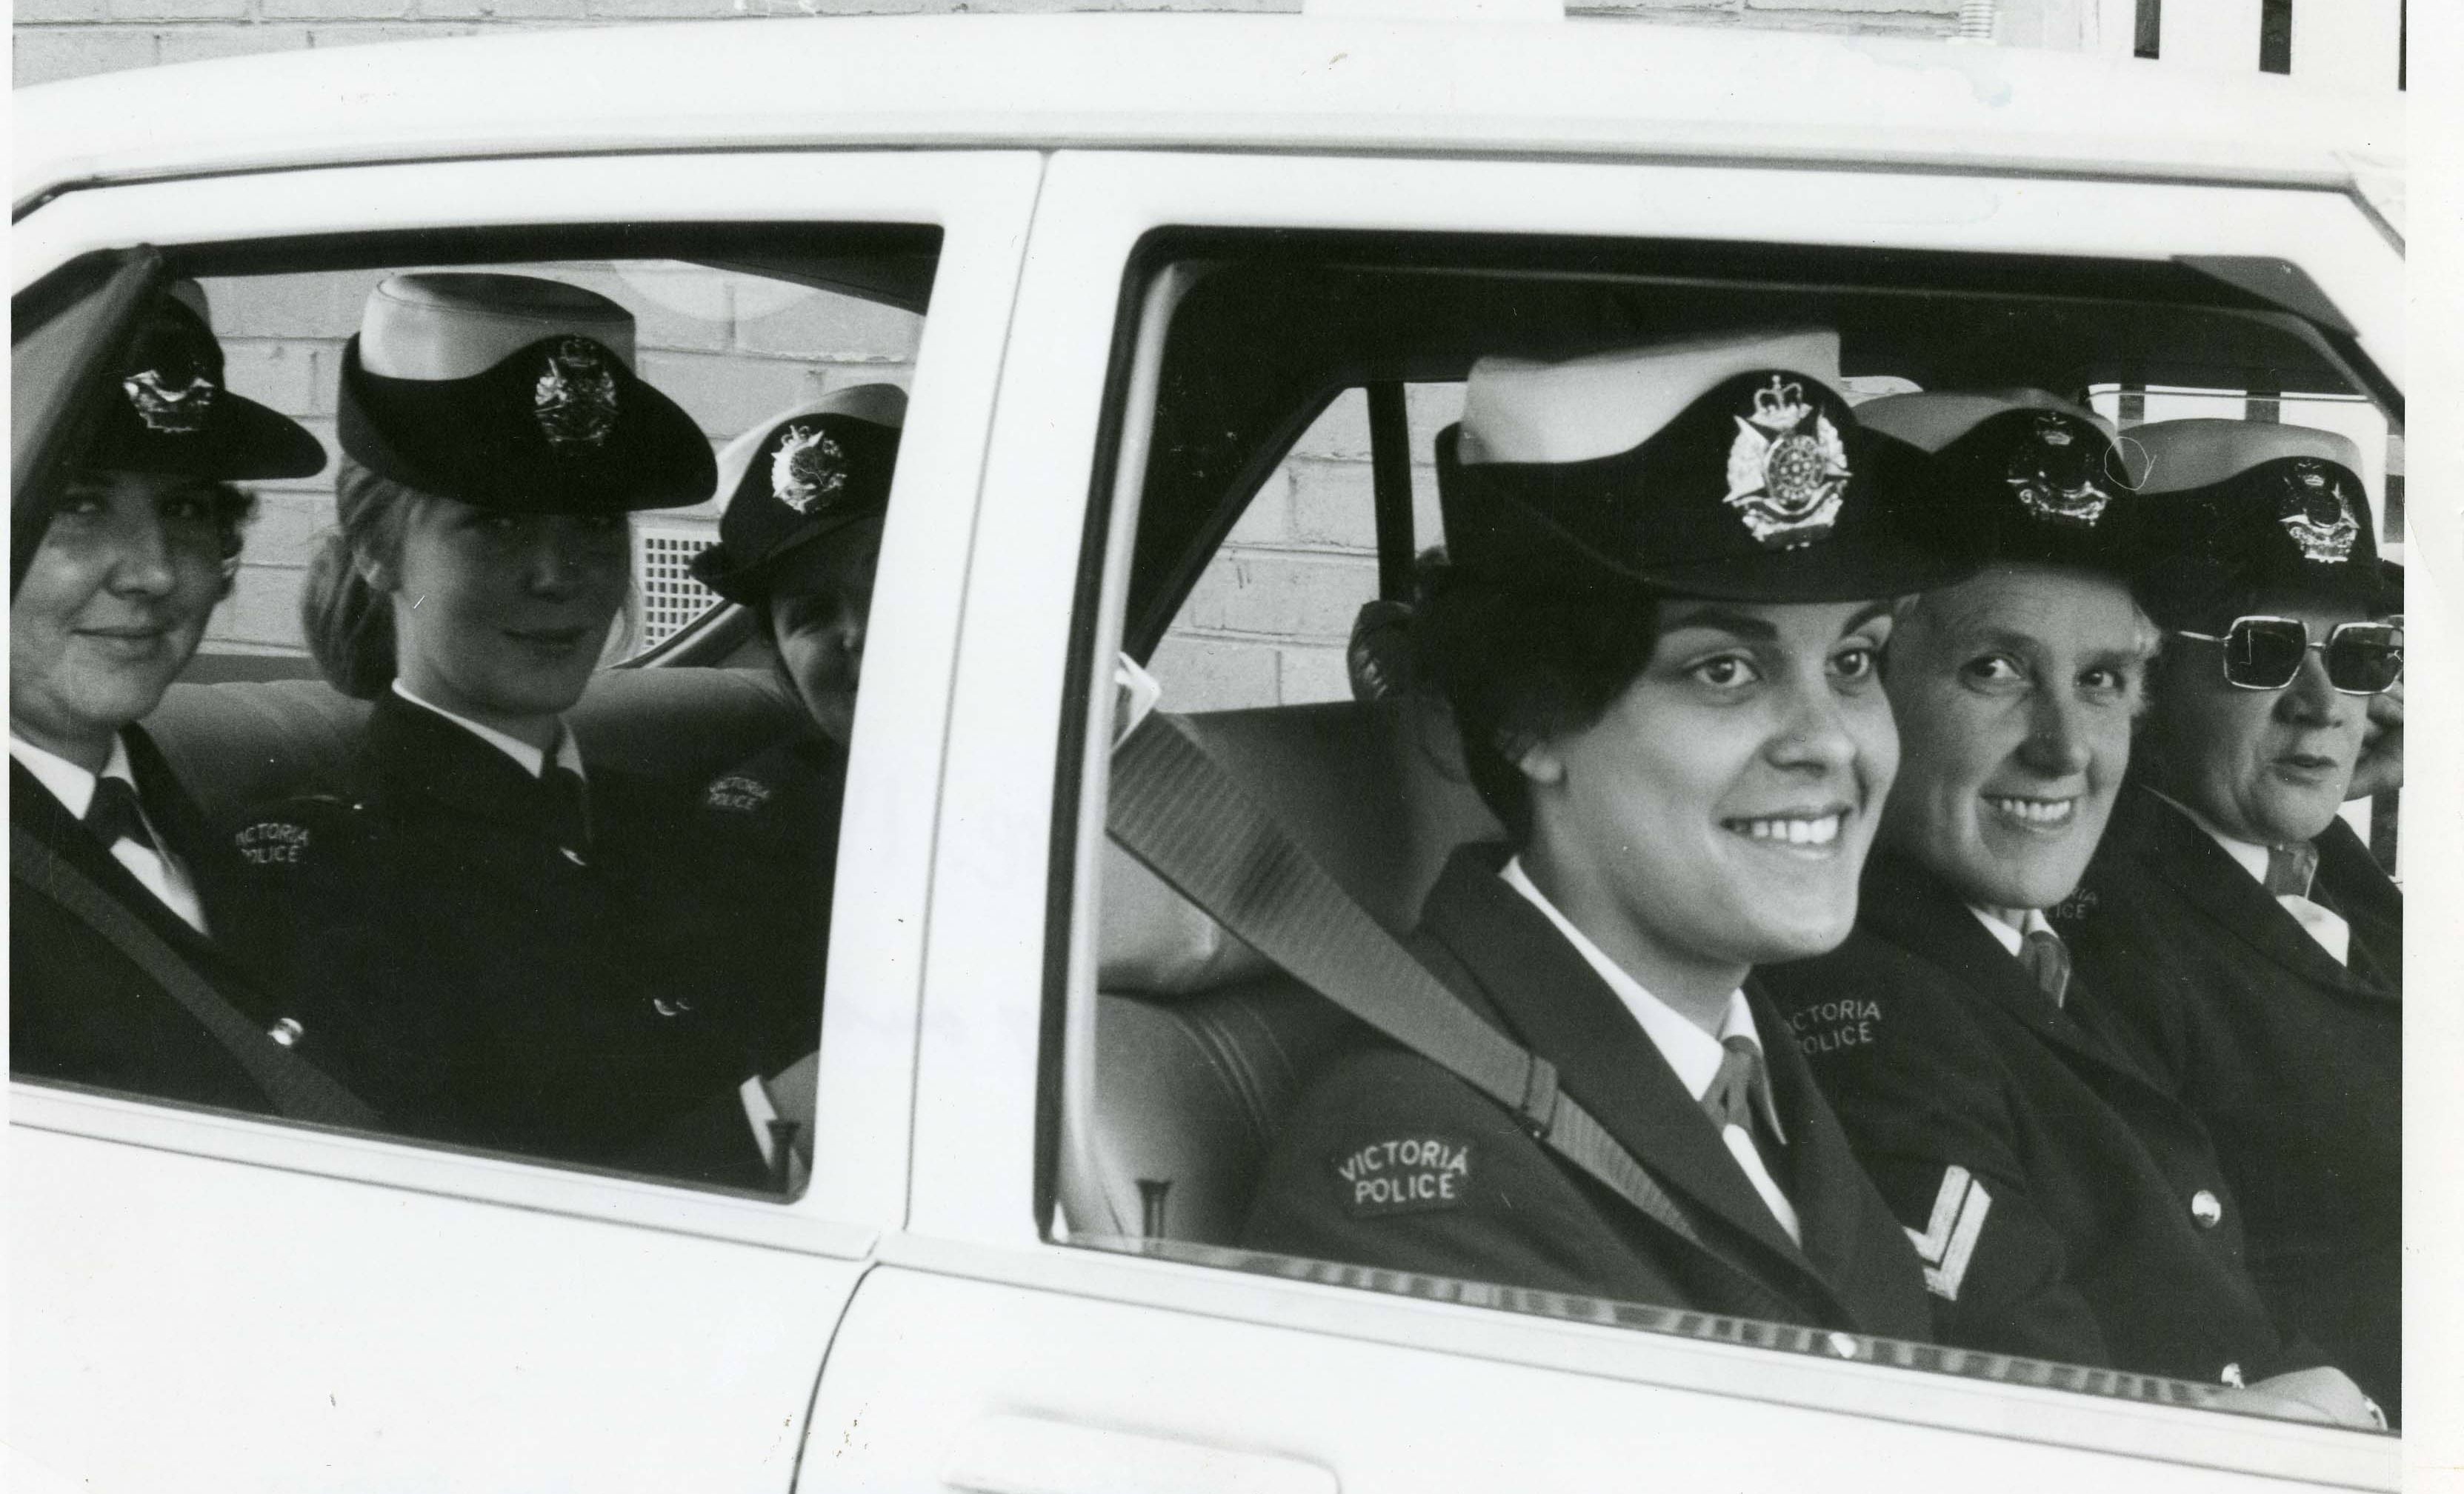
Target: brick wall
731 349
68 38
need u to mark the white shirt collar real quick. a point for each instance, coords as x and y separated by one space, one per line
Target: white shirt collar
533 761
72 785
1693 1053
2034 922
2249 855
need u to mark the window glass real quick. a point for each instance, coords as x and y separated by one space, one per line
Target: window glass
496 802
1330 1145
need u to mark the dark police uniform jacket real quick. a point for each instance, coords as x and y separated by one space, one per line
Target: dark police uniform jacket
759 842
444 958
2066 1205
1501 1207
2294 1063
81 1011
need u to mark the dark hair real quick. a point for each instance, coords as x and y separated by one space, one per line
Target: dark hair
349 623
233 508
1519 664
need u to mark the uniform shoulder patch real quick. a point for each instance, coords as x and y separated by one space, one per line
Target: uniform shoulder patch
736 793
289 833
1404 1174
1825 1028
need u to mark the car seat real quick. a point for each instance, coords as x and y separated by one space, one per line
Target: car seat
1200 1046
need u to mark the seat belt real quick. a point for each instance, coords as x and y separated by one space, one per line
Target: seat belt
298 1089
1178 811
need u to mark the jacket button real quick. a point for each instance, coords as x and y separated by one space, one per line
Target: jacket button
666 1007
2207 1210
285 1031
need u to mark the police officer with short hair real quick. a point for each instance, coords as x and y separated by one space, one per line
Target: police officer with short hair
2282 1023
1657 623
807 495
138 545
2065 1203
462 924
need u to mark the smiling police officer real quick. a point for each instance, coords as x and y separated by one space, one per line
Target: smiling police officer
2067 1206
105 611
1658 627
2284 1023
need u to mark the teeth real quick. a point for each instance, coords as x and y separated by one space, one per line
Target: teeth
1791 832
2036 811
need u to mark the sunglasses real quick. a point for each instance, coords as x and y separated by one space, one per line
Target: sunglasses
2266 653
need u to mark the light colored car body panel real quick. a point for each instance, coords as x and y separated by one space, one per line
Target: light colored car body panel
542 1328
1204 82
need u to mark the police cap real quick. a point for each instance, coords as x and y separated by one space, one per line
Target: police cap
515 393
1728 467
2008 475
172 412
797 477
2237 509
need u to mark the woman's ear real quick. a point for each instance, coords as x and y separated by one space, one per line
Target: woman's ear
378 574
1534 758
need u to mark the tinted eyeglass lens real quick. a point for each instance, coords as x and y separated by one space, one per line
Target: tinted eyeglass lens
2265 653
2365 658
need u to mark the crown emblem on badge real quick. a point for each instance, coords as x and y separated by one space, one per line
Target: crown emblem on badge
2053 479
1787 468
575 398
2317 514
809 471
174 412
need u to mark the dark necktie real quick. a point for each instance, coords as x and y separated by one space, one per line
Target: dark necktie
2047 959
568 812
2290 868
113 816
1741 1090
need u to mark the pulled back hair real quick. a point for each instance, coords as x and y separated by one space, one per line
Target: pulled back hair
1520 664
348 623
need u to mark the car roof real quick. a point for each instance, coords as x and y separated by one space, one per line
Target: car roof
1575 88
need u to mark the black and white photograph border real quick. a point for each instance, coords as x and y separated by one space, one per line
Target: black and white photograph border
933 1259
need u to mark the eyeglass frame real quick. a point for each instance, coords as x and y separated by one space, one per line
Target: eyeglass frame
2393 623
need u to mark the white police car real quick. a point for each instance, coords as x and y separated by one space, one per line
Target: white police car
1124 265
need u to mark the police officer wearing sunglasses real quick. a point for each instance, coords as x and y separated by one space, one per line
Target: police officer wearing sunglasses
2227 855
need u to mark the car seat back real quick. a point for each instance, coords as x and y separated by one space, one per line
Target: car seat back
1200 1046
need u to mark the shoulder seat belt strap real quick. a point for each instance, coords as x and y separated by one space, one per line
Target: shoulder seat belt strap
298 1089
1177 810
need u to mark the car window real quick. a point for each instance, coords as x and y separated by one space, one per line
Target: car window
428 826
1219 1096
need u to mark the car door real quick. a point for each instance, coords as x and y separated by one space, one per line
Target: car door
989 1352
213 1301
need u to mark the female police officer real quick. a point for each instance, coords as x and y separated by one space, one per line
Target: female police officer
104 610
1659 628
459 926
806 492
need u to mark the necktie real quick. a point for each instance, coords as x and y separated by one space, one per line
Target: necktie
2047 959
2291 867
1741 1090
568 812
2290 871
113 816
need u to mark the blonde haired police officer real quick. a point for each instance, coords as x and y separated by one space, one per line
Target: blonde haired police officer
1658 624
460 925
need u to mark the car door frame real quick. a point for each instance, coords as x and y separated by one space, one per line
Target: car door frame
1021 822
70 1144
